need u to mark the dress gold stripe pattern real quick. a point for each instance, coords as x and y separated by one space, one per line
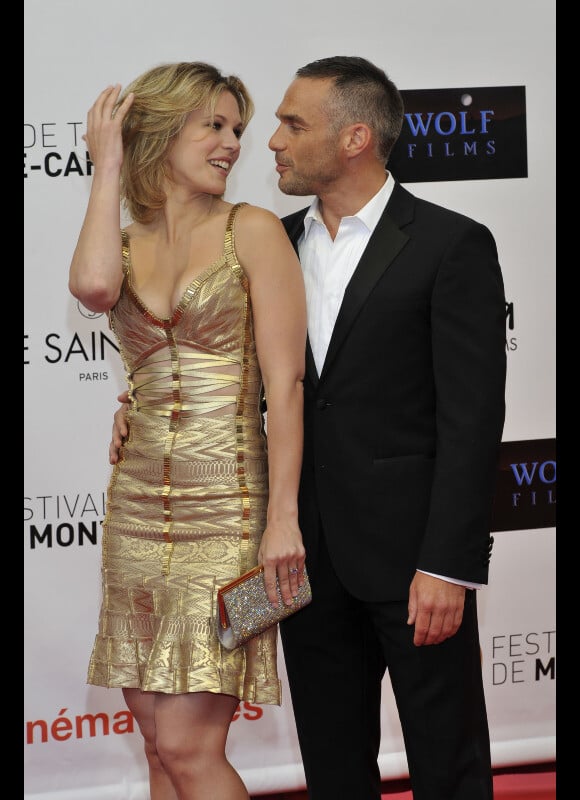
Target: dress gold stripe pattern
186 504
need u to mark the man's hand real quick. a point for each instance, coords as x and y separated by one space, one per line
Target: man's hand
120 428
435 608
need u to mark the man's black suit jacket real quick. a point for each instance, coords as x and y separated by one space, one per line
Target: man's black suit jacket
403 425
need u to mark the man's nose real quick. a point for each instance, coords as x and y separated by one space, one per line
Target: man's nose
274 143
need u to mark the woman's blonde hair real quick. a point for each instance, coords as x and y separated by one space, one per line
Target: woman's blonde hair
164 96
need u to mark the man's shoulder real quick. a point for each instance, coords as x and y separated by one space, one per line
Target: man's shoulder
293 222
429 208
295 215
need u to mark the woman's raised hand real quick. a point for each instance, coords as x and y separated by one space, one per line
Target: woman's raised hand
104 121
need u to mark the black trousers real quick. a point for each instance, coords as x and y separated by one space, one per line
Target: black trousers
336 651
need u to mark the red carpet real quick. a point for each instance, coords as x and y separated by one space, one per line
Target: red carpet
534 782
506 786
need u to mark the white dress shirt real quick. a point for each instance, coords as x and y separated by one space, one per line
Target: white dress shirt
329 265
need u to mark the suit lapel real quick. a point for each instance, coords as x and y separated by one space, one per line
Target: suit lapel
384 245
294 224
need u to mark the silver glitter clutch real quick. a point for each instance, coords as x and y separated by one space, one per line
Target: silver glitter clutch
243 608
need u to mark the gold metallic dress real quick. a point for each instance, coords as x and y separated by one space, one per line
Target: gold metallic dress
187 501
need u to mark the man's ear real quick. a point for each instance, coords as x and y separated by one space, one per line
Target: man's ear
357 138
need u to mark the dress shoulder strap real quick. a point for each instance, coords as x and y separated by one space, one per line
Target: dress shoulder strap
229 244
126 252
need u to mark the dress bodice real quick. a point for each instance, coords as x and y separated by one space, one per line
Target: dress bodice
198 358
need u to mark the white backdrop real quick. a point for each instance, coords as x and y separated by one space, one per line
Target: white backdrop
78 740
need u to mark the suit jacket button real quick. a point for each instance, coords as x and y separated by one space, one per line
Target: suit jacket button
321 404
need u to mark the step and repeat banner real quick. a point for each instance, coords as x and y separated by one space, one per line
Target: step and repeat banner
479 137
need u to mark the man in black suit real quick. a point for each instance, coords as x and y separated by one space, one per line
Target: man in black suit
404 412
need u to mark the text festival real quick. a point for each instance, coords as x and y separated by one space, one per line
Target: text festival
517 657
65 531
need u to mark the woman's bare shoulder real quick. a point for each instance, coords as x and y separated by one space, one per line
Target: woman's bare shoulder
261 239
256 219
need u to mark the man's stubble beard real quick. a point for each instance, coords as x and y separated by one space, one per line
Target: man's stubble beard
295 187
320 178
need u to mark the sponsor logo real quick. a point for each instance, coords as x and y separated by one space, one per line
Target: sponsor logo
462 134
525 495
86 313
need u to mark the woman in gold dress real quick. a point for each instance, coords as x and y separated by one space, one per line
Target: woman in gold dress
206 299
